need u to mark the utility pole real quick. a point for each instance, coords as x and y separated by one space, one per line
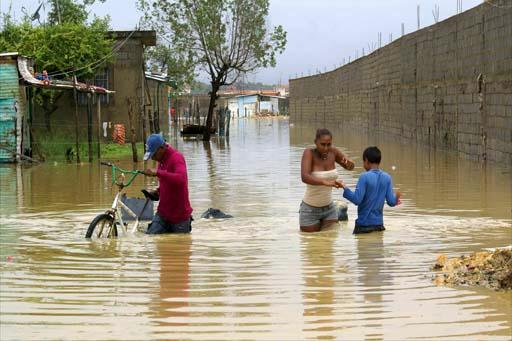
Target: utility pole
418 15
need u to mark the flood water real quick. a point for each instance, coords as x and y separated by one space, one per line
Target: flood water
254 276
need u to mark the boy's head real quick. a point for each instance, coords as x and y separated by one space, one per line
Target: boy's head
371 156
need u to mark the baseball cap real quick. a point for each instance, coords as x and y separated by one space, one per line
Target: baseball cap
154 142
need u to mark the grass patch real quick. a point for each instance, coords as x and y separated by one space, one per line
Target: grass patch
60 146
117 151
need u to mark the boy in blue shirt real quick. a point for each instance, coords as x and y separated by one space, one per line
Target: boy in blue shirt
372 188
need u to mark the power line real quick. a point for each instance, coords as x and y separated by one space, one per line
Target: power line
99 61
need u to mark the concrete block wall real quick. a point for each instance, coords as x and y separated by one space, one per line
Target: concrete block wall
448 86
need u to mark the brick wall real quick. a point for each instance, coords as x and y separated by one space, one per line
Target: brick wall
448 86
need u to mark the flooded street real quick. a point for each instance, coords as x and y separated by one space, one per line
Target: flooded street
255 276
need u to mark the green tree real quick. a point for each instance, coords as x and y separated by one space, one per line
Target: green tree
69 11
162 58
73 47
223 38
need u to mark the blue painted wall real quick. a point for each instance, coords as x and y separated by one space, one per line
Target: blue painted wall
9 102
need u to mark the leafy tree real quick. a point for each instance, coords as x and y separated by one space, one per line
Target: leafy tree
164 59
223 38
69 11
73 47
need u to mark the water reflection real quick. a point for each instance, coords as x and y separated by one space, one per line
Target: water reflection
10 183
374 280
62 186
169 304
319 273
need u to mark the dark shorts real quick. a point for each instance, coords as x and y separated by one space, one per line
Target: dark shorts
159 225
367 229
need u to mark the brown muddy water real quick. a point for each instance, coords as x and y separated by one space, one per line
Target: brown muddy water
254 276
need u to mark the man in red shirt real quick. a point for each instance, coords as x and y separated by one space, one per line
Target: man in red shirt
174 210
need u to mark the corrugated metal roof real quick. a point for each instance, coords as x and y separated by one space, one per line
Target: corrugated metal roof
157 77
8 54
56 84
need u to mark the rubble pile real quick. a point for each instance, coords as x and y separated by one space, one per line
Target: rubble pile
490 269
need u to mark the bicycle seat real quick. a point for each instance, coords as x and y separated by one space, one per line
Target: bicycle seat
150 195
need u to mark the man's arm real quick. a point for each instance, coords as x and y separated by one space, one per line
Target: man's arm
179 176
357 196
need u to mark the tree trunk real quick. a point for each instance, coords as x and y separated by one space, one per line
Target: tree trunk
133 135
228 120
47 113
197 113
47 121
157 111
89 125
211 108
151 122
49 108
189 111
144 130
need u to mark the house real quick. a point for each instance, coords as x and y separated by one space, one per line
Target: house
256 104
160 90
17 82
125 75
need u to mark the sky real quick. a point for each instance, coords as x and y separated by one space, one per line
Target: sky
321 33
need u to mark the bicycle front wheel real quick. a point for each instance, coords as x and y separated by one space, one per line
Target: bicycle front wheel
102 227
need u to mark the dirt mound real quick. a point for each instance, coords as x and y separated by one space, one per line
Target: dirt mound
490 269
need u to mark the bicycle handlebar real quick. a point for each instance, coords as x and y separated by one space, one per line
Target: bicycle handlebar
134 174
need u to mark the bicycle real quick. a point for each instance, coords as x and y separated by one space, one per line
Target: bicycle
106 225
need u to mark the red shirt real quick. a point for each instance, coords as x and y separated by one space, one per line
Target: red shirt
174 206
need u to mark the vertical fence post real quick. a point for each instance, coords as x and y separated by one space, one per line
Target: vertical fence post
98 114
76 121
133 136
89 125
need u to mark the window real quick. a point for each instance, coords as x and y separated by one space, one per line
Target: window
100 79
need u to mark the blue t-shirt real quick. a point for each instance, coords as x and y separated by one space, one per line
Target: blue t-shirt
372 188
